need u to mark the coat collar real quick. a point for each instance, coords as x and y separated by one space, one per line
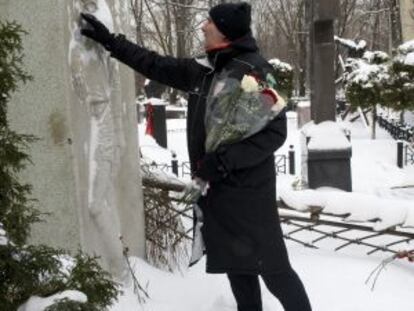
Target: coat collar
217 59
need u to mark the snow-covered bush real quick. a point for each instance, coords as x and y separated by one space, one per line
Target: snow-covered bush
366 82
367 78
375 79
376 57
26 270
402 69
284 76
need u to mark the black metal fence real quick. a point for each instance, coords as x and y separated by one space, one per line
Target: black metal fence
397 129
409 154
405 136
183 169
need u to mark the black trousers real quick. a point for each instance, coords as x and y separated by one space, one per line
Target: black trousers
285 286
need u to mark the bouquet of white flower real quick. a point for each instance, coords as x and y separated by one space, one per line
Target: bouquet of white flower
236 110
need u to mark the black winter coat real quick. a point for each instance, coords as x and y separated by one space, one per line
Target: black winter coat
241 223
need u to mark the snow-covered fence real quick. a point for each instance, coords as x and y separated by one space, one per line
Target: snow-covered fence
409 154
324 228
165 217
352 219
182 169
179 169
405 135
310 220
281 164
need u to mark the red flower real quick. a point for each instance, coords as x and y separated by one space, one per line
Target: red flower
272 94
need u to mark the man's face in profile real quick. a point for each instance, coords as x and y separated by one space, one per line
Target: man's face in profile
212 36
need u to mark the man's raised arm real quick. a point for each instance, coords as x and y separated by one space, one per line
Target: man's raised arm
179 73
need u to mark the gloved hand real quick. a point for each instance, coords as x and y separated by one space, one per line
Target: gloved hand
97 31
211 168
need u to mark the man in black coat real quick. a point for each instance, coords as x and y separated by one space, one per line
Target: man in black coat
241 226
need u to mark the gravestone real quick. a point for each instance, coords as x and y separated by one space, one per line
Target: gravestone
326 164
322 58
81 105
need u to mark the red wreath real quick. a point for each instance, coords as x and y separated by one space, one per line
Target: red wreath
150 120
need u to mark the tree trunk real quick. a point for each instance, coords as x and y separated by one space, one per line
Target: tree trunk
395 24
376 28
374 123
402 117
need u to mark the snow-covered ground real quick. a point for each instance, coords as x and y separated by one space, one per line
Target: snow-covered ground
335 280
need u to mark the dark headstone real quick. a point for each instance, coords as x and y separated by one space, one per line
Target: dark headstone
330 168
160 125
154 89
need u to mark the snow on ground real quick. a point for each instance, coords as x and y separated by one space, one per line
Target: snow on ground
335 280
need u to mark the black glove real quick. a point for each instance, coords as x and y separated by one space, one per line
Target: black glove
211 168
97 31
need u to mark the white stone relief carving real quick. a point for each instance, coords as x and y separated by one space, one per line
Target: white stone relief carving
93 83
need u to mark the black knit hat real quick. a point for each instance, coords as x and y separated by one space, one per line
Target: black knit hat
232 19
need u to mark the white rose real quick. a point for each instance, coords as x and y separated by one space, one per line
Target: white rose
249 84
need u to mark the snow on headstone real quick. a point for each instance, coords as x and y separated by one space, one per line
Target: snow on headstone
327 135
304 104
153 101
156 101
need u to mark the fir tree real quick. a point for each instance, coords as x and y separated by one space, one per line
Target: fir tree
366 82
16 210
27 270
402 81
284 77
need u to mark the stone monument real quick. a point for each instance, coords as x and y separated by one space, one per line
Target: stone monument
322 14
325 163
81 105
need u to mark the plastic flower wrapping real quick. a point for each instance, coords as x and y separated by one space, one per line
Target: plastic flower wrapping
239 109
